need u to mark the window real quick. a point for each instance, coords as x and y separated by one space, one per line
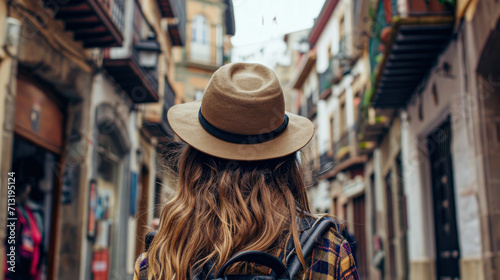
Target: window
200 41
200 29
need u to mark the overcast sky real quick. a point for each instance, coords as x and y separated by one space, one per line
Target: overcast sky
260 20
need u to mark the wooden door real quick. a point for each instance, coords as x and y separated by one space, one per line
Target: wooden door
445 222
391 254
360 234
38 116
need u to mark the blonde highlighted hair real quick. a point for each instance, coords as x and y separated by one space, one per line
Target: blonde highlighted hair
224 207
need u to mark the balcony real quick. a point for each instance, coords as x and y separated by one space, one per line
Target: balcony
134 66
169 8
346 153
175 11
372 124
97 23
325 84
304 67
408 45
338 66
328 78
158 126
342 147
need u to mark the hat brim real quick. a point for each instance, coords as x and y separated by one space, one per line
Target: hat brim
183 119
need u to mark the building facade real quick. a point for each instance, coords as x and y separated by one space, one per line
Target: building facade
429 190
405 147
435 197
209 27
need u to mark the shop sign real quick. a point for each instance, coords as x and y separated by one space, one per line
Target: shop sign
100 264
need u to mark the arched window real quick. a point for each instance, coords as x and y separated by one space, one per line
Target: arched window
200 41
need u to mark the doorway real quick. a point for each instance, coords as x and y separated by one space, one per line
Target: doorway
38 197
360 234
445 223
391 237
38 166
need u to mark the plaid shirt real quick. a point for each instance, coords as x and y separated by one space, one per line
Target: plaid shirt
331 259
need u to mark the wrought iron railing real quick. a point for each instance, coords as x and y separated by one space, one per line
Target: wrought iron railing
346 146
150 73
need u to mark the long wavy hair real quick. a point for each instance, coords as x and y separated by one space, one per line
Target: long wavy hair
224 207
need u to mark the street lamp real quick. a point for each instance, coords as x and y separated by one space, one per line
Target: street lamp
148 52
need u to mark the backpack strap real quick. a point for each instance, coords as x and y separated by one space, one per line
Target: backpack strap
308 241
149 239
257 257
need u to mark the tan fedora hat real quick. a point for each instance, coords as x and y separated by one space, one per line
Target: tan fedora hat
241 116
